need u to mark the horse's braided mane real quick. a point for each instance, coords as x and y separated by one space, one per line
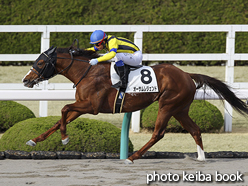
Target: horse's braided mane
80 52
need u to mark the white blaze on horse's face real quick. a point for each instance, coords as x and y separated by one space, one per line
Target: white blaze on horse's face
30 79
27 74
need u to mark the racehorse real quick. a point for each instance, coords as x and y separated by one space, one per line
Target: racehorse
94 93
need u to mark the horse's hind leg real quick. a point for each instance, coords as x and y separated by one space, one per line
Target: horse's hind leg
193 129
160 126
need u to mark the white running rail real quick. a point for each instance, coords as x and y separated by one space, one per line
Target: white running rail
63 91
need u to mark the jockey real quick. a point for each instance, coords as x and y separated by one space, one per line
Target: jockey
122 50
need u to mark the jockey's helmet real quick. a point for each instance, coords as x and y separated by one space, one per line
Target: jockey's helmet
97 36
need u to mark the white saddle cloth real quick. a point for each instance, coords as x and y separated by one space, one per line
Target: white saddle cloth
139 80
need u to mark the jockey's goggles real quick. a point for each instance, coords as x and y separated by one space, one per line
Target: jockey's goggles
99 44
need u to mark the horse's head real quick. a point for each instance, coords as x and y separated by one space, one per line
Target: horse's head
43 68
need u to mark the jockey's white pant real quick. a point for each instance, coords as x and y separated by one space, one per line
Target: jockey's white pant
129 58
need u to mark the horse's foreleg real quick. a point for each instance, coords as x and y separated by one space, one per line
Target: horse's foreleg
64 122
45 135
69 113
194 130
160 126
74 110
50 131
71 116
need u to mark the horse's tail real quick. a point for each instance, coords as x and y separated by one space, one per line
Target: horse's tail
222 90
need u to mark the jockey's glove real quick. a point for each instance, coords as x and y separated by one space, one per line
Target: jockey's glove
93 61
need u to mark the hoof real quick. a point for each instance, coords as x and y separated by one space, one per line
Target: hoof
65 141
31 143
128 162
201 159
201 154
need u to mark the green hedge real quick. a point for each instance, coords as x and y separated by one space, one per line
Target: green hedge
204 114
11 113
170 12
86 135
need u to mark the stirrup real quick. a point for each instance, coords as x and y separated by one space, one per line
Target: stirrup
117 85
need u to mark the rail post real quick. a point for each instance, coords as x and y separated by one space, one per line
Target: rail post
125 135
45 43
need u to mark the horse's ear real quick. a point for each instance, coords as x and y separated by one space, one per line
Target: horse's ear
52 50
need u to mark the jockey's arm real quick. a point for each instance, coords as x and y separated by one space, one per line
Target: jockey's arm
112 51
112 47
92 48
105 57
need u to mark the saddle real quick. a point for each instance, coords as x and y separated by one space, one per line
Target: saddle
129 67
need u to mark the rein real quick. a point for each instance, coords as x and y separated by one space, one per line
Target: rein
85 73
72 60
71 53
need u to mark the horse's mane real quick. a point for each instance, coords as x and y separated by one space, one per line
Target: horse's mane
79 52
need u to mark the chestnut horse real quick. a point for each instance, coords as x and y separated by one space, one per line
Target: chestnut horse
94 93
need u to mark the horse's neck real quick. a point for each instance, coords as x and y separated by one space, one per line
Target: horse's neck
72 70
78 68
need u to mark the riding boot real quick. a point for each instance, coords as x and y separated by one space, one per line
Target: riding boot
122 72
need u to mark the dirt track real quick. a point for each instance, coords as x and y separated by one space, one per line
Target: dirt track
115 172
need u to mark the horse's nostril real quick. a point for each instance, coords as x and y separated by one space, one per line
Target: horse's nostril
25 81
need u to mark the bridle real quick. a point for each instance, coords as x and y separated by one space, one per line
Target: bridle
49 70
46 72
